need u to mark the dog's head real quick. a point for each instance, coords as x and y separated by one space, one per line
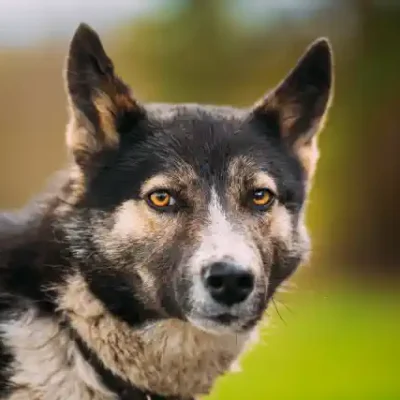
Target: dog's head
187 211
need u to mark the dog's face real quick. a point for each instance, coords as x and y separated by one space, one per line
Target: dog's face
186 211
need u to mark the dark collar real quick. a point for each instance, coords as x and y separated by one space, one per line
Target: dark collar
124 390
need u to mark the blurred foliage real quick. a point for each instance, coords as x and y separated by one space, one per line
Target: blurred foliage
340 342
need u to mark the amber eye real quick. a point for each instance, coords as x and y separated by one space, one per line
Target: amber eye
161 199
262 198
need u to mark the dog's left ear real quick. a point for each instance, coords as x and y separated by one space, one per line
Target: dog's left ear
100 103
297 107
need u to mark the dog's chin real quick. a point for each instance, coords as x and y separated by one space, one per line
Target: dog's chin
221 324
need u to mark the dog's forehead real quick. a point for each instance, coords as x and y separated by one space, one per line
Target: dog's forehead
204 134
178 113
201 145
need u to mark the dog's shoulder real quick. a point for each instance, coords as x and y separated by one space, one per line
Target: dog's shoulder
39 360
6 357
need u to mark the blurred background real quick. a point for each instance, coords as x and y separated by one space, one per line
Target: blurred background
335 334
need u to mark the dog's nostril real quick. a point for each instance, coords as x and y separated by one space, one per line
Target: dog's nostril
228 283
245 281
216 282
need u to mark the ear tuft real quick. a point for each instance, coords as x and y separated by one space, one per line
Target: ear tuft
100 102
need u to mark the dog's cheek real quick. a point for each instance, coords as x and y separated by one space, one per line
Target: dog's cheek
139 234
281 226
164 258
274 234
290 251
182 285
138 242
134 220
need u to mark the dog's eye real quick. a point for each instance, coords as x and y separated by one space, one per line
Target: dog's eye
161 199
262 199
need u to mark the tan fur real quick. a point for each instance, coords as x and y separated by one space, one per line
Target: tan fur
308 152
156 182
47 365
136 220
308 155
263 180
80 134
133 220
78 184
170 357
106 110
125 102
281 225
303 245
73 190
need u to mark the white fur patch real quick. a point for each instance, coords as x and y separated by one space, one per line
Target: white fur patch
221 240
47 364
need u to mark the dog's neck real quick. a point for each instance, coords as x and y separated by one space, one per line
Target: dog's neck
120 387
169 357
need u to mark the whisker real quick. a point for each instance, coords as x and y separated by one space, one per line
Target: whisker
277 311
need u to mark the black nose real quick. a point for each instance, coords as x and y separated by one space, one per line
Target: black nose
228 283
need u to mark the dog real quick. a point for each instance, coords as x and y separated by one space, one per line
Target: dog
145 271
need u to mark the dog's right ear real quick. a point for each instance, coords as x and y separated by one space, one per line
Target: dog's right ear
100 103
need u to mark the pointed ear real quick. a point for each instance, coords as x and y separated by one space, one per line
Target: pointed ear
297 106
100 103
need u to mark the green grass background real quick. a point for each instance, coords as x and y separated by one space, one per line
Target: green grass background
336 345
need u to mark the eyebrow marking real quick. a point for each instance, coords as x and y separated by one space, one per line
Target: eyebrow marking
244 167
155 182
264 180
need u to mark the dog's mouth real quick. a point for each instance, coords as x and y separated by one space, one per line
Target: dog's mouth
221 323
225 318
204 312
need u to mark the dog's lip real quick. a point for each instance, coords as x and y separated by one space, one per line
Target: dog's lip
225 318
